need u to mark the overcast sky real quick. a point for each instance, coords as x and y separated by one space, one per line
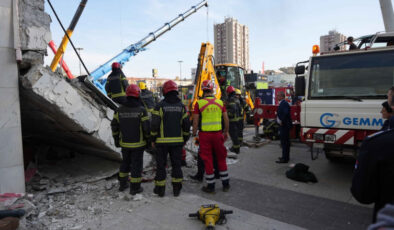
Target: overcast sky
282 32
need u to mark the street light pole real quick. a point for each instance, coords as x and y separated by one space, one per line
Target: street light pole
180 70
79 52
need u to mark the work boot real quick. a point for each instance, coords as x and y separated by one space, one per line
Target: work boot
234 150
210 188
226 185
176 186
159 190
135 188
123 183
198 177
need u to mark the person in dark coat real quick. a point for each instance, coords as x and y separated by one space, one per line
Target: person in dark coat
373 178
387 113
285 123
390 100
116 84
352 46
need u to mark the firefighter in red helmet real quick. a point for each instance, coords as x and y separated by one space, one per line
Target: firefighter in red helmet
208 115
129 117
170 130
116 84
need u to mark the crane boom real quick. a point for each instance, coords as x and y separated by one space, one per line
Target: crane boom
133 49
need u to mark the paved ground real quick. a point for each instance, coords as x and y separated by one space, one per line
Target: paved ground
261 196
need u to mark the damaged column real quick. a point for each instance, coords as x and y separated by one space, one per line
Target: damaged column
11 153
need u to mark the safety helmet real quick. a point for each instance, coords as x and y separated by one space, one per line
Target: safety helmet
238 92
207 85
142 85
133 91
169 86
230 89
115 65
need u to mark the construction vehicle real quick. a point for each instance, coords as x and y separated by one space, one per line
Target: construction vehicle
211 215
97 76
222 75
344 91
343 95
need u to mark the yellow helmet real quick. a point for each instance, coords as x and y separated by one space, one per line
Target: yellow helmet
142 85
237 91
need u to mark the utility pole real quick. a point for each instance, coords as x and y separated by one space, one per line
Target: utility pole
79 52
180 70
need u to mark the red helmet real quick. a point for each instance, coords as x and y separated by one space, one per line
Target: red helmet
230 89
169 86
207 85
115 65
133 91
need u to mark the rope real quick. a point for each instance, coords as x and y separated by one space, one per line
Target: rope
65 32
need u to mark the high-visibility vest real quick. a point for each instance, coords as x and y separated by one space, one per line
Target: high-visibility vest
211 114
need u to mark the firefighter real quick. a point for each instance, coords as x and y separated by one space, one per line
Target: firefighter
244 109
170 130
233 110
146 97
129 117
116 84
207 117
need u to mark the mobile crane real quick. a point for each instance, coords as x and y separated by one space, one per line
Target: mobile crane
344 91
97 75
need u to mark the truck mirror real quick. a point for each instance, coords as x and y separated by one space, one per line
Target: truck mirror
299 69
299 85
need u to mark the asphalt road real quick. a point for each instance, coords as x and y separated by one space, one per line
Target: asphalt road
260 186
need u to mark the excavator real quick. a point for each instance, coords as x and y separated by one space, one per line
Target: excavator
222 75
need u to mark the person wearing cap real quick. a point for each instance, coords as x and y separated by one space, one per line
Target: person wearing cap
116 84
130 130
170 130
387 113
352 46
208 116
146 97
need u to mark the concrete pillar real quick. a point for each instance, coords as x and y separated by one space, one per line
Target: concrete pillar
11 154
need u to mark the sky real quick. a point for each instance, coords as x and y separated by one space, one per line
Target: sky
281 32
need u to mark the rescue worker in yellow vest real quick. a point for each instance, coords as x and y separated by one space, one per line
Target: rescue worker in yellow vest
146 97
207 118
116 84
130 130
244 110
233 110
170 130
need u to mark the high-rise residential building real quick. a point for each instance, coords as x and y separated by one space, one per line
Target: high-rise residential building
231 43
327 42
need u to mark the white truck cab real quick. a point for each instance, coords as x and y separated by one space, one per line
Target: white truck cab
343 94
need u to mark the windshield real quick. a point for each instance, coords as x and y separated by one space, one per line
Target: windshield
364 75
233 75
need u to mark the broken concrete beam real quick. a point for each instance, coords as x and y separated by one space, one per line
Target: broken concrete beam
57 111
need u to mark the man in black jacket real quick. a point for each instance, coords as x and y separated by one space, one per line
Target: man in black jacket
116 84
373 179
285 123
130 130
170 130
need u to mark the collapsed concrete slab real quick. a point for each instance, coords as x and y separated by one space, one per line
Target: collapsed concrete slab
55 110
